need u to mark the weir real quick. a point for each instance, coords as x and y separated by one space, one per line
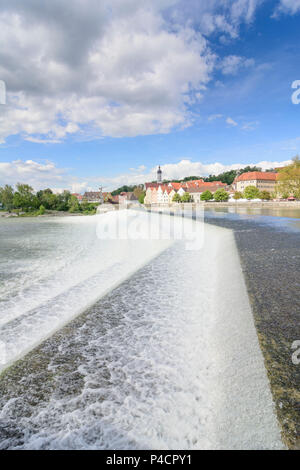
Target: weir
168 359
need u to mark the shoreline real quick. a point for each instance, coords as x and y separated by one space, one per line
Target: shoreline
14 215
246 204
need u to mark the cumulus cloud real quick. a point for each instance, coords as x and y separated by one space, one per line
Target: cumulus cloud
215 16
87 67
33 173
43 175
121 68
289 7
188 168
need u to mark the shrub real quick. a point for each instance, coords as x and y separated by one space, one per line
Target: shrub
42 210
221 195
206 196
251 192
176 198
238 195
186 197
265 195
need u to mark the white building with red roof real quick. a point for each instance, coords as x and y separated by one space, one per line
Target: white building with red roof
264 181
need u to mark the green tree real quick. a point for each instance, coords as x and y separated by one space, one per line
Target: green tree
73 204
176 198
238 195
6 197
48 199
123 189
138 191
186 197
142 197
289 179
191 178
63 201
42 210
24 198
206 196
251 192
265 195
221 195
226 177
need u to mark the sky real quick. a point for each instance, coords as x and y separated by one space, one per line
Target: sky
101 93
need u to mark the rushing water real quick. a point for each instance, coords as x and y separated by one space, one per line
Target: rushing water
169 359
53 269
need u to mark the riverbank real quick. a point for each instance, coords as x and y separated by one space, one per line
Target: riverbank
238 204
46 214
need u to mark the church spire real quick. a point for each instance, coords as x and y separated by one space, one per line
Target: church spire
159 173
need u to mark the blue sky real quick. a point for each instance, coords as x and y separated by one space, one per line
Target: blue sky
105 97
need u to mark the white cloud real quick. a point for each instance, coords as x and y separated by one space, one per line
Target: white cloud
187 168
289 7
121 68
217 16
43 175
231 122
33 173
89 67
231 64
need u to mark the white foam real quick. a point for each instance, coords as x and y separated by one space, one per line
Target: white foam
172 362
79 269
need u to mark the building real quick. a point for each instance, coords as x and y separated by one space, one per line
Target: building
264 181
164 193
124 198
211 186
95 197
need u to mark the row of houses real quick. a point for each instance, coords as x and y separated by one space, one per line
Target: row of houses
157 193
163 193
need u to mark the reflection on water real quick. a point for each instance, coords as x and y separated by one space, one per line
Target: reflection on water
283 217
274 212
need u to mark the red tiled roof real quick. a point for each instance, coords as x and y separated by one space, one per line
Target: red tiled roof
257 175
175 185
205 187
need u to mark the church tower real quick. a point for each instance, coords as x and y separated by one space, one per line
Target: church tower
159 173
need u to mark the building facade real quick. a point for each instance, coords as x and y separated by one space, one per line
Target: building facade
264 181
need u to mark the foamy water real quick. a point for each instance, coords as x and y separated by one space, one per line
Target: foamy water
53 270
168 360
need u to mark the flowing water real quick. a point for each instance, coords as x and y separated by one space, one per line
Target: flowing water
168 359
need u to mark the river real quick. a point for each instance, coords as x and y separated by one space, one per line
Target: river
162 353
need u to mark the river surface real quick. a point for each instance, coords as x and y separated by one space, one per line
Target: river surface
168 359
278 218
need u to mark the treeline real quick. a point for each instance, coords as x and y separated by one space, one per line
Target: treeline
137 190
25 200
226 177
229 176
